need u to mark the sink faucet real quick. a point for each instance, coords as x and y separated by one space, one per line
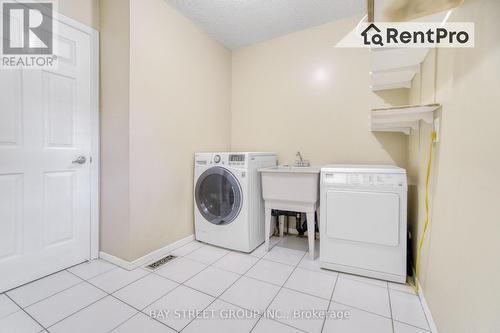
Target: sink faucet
299 155
300 162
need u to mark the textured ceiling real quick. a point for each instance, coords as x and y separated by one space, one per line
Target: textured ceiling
237 23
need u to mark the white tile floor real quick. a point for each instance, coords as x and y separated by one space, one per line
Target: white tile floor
100 297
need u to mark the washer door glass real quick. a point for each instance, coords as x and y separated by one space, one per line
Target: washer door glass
218 196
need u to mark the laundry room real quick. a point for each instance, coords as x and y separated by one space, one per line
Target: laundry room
249 166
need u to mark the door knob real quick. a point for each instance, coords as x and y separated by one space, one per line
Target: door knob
80 160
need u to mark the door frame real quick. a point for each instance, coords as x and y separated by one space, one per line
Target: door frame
95 130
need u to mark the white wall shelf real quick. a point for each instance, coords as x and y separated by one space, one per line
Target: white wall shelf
395 68
401 118
388 60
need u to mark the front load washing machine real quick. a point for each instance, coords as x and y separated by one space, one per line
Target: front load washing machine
228 204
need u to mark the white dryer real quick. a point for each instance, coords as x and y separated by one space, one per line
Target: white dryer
363 220
228 204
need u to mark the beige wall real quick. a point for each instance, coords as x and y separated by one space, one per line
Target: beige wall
299 92
114 61
422 92
460 259
180 85
165 94
84 11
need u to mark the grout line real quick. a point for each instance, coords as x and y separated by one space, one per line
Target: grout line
86 306
176 256
155 300
331 301
334 286
357 308
83 281
101 273
201 244
204 263
121 324
42 299
308 294
10 313
196 261
423 310
23 310
352 277
390 307
206 307
274 285
60 291
142 311
128 284
218 297
282 263
421 307
260 315
183 284
113 296
412 325
281 288
279 322
128 318
404 291
360 309
229 271
41 278
99 299
139 312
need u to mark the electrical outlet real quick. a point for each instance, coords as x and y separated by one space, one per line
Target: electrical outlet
437 129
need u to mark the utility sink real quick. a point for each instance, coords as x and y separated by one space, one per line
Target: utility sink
291 188
292 184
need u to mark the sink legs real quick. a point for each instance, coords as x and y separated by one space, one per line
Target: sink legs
310 228
269 222
281 223
311 233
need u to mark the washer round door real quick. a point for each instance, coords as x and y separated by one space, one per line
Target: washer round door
218 196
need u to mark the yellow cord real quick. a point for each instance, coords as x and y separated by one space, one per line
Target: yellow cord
422 236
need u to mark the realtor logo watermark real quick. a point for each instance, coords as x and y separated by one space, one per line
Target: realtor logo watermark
27 34
410 35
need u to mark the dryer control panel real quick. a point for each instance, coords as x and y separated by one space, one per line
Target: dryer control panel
365 179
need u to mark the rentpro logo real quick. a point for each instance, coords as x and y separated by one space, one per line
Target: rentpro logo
409 35
394 36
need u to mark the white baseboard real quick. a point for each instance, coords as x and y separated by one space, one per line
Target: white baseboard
148 258
427 310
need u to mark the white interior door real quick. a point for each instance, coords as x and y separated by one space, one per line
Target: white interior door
45 197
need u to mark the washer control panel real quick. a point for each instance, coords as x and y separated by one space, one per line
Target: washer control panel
222 159
237 159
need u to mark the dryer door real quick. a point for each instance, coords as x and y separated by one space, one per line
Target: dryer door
365 217
218 196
